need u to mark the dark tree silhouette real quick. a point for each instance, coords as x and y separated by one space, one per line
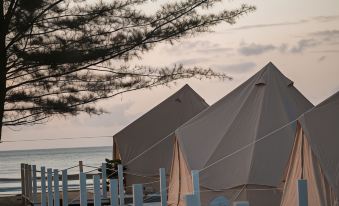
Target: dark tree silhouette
58 57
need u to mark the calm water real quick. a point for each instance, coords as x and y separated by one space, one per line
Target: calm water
50 158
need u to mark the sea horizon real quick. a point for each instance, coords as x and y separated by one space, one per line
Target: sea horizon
30 149
56 158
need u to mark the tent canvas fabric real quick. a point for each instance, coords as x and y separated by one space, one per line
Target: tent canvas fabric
315 156
146 144
218 141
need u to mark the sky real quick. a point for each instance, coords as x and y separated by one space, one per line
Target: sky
300 37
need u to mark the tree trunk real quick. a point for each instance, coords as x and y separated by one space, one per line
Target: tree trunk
2 89
2 65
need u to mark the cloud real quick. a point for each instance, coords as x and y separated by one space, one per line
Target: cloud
321 19
327 35
200 47
283 48
322 58
326 18
304 44
116 115
255 26
255 49
191 61
236 68
315 39
327 51
215 50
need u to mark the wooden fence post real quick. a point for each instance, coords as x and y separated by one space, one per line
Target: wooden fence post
97 192
30 191
121 185
83 191
81 167
138 195
43 185
49 185
113 187
190 200
34 185
241 203
26 182
64 188
196 185
104 178
22 170
163 189
56 188
302 193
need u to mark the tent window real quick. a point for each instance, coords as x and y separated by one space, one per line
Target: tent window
260 84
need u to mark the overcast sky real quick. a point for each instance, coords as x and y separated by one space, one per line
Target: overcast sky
300 37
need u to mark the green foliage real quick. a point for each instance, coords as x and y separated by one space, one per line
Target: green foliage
112 168
59 57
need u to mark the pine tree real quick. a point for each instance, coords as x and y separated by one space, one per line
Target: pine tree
59 57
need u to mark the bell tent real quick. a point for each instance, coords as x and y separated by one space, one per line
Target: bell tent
234 145
315 156
146 144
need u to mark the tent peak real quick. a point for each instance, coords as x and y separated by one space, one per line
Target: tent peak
186 86
270 73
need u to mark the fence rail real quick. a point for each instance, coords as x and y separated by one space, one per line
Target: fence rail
47 186
42 187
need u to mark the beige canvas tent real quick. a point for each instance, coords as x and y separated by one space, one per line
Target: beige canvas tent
218 143
146 144
315 156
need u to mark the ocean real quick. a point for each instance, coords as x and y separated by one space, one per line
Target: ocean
50 158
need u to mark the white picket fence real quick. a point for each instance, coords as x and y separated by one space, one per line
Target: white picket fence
50 194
